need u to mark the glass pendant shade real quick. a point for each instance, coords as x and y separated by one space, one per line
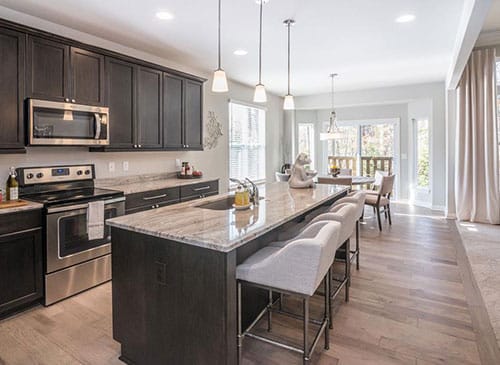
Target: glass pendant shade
289 103
260 94
219 84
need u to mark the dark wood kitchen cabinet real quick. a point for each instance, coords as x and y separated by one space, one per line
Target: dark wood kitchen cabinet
182 113
20 260
59 72
12 51
149 108
121 89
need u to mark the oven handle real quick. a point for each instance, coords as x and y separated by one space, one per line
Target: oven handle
97 125
83 206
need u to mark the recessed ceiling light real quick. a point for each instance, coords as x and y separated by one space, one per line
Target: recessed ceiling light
240 52
164 15
406 18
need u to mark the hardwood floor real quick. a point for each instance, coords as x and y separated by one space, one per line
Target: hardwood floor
408 306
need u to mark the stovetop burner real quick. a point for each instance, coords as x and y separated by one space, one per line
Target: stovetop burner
72 195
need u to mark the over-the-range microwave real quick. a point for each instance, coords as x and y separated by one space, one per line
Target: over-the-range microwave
63 124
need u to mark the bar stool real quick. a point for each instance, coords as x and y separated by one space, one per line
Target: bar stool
357 198
311 255
346 215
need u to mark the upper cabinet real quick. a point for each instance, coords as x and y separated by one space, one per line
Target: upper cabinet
59 72
182 113
12 46
149 106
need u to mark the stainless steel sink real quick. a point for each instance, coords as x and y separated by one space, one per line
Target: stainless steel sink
225 203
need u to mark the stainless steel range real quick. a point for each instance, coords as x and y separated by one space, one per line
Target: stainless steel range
73 262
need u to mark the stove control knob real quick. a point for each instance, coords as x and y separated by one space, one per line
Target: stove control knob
87 172
79 172
39 175
29 176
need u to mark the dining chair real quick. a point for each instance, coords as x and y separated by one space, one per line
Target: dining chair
345 172
281 176
382 199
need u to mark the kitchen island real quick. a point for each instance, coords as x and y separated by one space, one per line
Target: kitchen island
174 286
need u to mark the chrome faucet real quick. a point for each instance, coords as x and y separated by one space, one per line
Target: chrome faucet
254 195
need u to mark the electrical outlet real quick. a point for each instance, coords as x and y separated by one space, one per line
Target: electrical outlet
125 165
111 166
161 273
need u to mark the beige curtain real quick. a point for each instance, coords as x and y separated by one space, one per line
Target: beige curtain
477 190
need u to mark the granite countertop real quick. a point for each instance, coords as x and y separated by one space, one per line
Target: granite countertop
225 230
141 183
29 206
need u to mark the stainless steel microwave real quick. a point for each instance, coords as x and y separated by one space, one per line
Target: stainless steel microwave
63 124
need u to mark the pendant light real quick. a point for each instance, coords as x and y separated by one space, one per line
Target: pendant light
260 90
289 103
219 84
333 131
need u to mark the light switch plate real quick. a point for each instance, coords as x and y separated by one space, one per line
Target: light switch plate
111 166
125 165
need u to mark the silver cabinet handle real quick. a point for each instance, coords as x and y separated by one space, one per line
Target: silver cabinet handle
187 146
140 145
73 100
135 146
202 188
66 100
155 197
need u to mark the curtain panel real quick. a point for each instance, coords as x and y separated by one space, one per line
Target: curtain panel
477 190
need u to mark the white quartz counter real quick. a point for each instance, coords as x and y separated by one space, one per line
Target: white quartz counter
225 230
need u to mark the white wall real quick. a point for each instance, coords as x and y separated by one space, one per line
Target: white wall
212 162
404 102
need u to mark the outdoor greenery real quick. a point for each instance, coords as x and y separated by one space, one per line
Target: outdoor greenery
423 153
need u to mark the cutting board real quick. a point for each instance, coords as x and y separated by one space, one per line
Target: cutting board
13 204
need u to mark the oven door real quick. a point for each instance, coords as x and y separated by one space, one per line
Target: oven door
67 238
55 123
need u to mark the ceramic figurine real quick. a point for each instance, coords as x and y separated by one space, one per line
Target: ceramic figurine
300 177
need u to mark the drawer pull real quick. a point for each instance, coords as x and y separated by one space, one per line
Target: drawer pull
155 197
202 188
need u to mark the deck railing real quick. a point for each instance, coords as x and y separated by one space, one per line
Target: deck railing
367 164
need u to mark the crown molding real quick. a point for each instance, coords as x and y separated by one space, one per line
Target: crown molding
491 38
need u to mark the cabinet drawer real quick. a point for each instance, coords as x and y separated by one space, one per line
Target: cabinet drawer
148 199
21 221
189 192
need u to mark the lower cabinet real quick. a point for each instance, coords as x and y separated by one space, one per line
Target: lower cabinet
21 266
153 199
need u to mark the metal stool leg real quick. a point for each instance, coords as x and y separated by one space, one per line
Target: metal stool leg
357 245
347 269
330 324
239 335
327 310
269 311
306 330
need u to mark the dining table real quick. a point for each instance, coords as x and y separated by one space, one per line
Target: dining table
356 180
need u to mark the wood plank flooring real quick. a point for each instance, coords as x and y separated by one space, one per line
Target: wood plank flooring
408 306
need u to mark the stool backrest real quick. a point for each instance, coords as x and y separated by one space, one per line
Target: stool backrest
357 198
346 215
305 260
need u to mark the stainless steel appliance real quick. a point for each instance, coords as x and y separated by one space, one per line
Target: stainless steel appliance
56 123
73 263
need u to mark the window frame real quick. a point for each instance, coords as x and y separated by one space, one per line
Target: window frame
313 148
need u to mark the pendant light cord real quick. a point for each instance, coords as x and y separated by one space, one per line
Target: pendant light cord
260 43
218 37
289 24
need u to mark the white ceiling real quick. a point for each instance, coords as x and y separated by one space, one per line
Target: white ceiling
356 38
492 22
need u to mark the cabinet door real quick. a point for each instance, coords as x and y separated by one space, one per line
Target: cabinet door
149 108
87 77
121 82
20 269
47 69
12 46
172 111
193 117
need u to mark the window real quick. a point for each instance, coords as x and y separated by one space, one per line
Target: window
347 146
247 142
422 153
306 140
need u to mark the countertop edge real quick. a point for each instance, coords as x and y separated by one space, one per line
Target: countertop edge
235 244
